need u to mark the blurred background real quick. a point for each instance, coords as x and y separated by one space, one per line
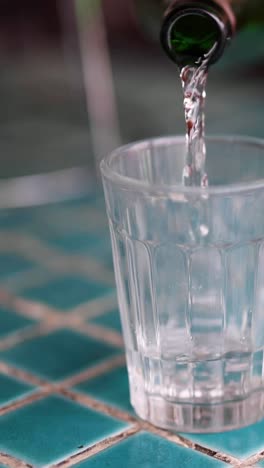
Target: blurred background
79 77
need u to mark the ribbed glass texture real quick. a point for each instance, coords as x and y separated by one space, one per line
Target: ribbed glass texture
189 266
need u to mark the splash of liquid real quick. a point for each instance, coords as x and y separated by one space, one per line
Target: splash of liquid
194 84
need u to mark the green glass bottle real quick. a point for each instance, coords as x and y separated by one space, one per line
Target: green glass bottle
193 30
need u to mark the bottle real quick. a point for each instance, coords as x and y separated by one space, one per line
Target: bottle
195 30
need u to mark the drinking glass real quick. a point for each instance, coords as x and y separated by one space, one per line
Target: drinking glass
189 266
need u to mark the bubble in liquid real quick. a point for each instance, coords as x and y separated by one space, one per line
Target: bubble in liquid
204 230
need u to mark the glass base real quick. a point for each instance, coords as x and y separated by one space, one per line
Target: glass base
199 418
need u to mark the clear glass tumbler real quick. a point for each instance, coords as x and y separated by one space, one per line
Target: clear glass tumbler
189 266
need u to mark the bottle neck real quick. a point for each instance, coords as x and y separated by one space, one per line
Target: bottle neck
196 31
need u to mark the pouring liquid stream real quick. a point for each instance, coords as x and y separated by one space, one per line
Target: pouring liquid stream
194 79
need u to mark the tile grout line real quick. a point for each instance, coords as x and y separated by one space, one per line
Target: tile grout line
55 321
39 311
96 307
90 373
42 253
56 387
97 405
100 333
13 462
27 308
23 402
52 319
58 224
105 409
116 413
33 309
27 279
50 389
184 442
252 460
45 388
61 389
94 371
74 321
23 375
226 458
97 448
41 329
45 317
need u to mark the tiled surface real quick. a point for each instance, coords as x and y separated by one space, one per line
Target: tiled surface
238 443
66 293
53 428
112 388
15 218
64 395
12 322
58 355
91 244
11 264
138 451
11 389
109 320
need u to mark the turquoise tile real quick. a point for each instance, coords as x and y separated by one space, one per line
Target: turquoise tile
241 443
109 320
3 466
16 218
11 389
96 245
11 264
149 451
59 354
94 197
73 242
111 388
52 429
11 322
90 199
67 292
78 242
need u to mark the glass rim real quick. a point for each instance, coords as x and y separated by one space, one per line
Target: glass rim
133 185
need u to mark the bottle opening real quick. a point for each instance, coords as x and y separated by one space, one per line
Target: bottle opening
189 36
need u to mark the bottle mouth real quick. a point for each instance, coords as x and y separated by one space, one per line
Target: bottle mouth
192 35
